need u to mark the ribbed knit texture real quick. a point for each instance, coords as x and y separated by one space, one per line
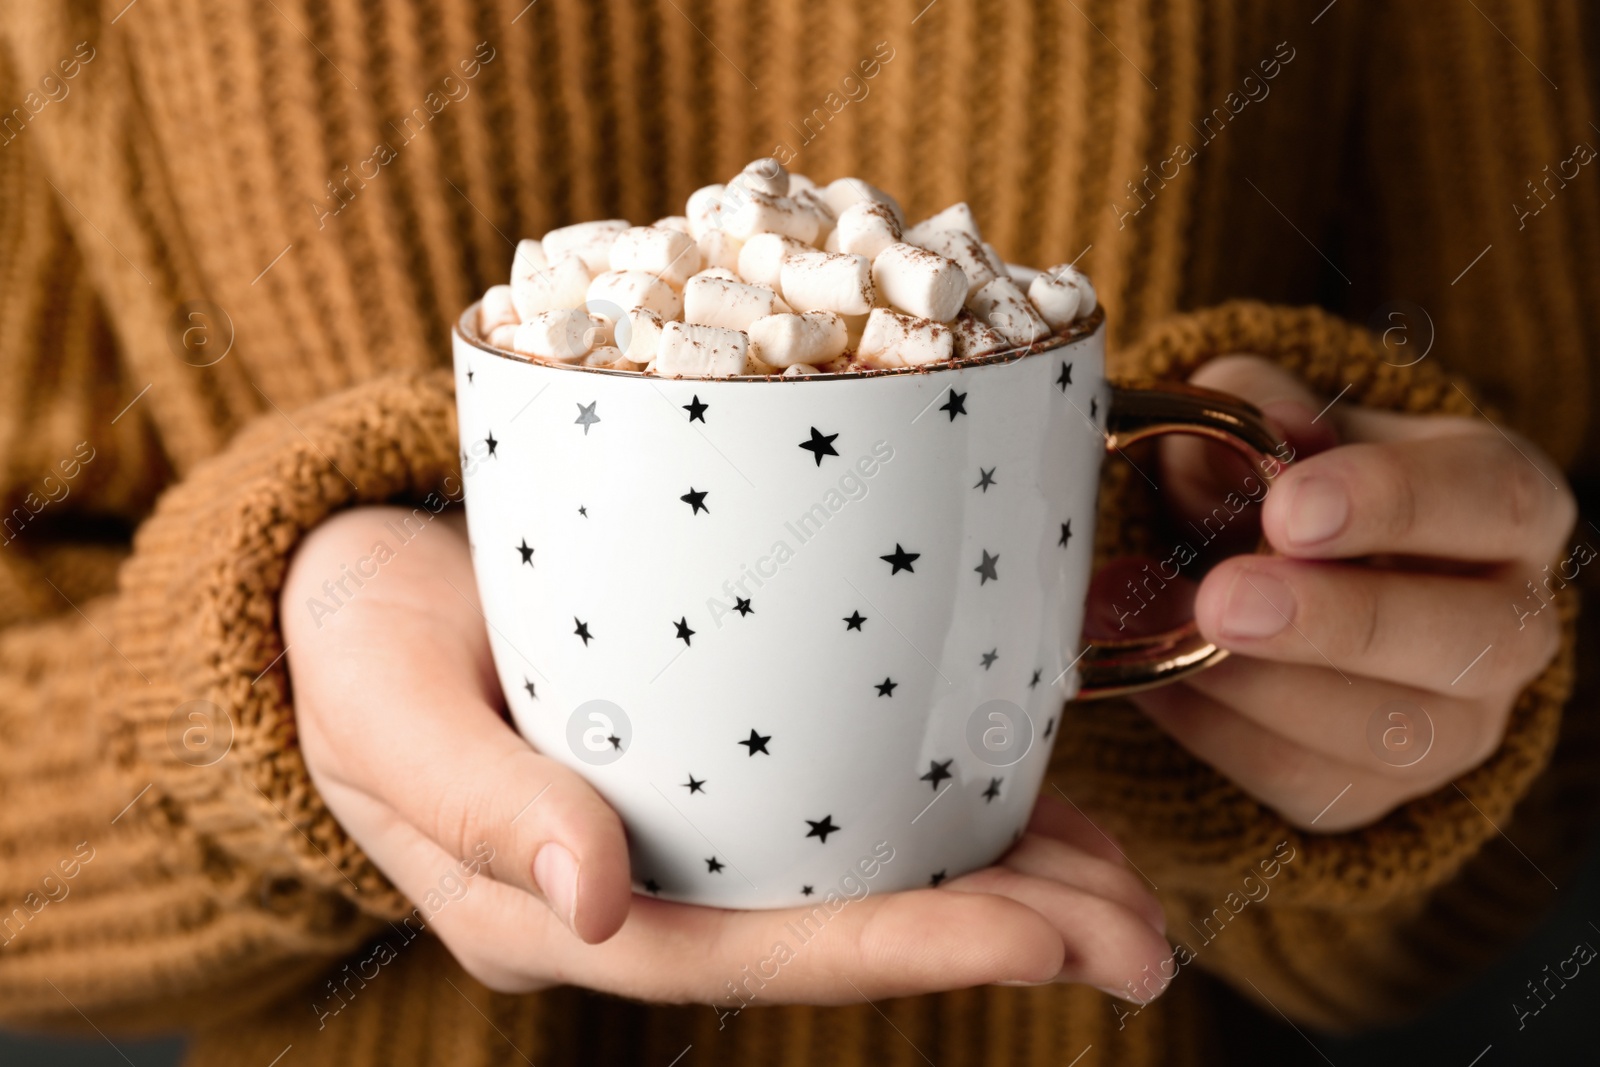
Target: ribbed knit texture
191 160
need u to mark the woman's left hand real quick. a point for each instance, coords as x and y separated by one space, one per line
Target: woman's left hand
1377 656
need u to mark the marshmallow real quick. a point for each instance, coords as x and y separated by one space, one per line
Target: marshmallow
787 340
497 309
800 369
589 241
799 183
920 282
670 255
1022 275
617 291
719 248
691 351
954 217
609 357
758 212
563 283
843 192
704 209
997 262
1002 305
965 251
763 176
1087 301
673 222
854 325
564 335
895 340
638 334
755 368
529 259
1056 298
825 281
827 218
973 338
730 305
504 336
716 272
761 258
864 228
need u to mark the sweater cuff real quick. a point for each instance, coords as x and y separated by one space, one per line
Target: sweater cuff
1188 827
201 681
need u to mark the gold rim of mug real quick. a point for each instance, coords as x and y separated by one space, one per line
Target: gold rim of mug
1076 332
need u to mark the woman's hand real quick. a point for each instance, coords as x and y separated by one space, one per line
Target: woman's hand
400 719
1377 656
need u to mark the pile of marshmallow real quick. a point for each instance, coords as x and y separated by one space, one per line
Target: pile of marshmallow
773 274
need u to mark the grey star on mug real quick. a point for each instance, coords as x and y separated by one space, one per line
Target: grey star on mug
989 657
985 479
986 569
937 772
823 828
586 416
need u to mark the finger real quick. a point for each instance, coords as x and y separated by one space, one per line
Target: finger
407 715
1108 945
1419 739
880 945
1065 821
1197 474
1466 497
1464 636
1307 788
1046 857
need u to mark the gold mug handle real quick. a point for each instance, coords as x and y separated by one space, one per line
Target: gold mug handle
1112 667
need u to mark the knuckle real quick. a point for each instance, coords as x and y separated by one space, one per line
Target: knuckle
1360 633
1396 491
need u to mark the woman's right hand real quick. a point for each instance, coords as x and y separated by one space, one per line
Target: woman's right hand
399 715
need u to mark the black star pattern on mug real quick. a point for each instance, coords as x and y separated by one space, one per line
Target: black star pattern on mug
854 620
696 500
901 560
583 511
806 891
1049 726
985 479
989 657
742 606
526 552
955 404
993 790
616 742
697 411
469 375
986 569
1066 534
492 443
652 886
684 633
936 878
1066 376
824 828
820 445
937 772
533 694
1033 683
586 416
583 631
694 785
757 743
714 865
1094 407
886 688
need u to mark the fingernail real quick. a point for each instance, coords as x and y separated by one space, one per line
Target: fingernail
555 871
1318 509
1123 994
1020 982
1258 606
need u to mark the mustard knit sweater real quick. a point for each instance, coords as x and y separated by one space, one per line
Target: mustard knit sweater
339 179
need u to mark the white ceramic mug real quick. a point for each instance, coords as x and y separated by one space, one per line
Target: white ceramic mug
799 629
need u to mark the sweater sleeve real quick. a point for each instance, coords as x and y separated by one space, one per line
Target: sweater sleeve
164 860
1327 928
